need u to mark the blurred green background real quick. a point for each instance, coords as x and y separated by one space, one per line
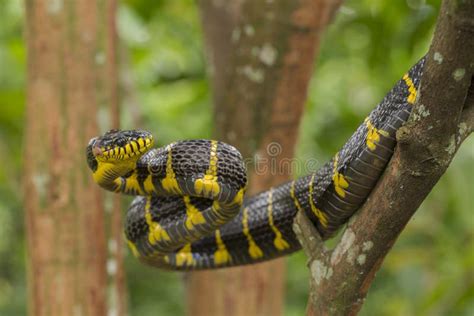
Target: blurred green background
371 43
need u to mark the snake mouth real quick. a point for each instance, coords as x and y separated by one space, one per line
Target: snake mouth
119 145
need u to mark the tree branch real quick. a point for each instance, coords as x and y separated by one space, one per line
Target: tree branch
441 119
467 116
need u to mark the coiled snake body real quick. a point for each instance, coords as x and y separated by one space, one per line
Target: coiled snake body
190 212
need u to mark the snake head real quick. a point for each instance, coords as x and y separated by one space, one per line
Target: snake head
118 146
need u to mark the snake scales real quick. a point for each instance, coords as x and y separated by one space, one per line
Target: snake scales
190 211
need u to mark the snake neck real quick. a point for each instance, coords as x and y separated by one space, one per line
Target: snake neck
110 175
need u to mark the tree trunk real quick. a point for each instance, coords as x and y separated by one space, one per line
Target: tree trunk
64 214
116 268
261 56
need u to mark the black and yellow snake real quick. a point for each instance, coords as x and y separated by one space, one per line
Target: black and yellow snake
191 213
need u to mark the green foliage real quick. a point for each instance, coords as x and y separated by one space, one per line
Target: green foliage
12 97
368 47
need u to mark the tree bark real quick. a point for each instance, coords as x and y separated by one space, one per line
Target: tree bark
441 119
115 267
261 56
64 213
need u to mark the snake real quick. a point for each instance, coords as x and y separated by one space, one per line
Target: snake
190 211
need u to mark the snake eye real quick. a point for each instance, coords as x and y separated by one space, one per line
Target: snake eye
121 142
